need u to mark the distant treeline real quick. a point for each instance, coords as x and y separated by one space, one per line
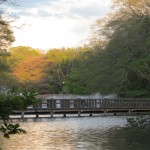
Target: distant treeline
115 60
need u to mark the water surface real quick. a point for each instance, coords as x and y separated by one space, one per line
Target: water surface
77 133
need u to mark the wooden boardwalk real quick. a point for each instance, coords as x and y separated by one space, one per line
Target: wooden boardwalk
90 106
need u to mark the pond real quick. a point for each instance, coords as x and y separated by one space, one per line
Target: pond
77 133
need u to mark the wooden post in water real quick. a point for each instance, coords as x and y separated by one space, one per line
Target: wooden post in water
105 112
22 114
129 111
79 113
37 115
51 113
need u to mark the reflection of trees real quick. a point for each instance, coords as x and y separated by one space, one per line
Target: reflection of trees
91 139
114 139
128 139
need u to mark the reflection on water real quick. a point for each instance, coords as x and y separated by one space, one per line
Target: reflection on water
83 133
128 139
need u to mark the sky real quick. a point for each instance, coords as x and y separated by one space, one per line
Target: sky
47 24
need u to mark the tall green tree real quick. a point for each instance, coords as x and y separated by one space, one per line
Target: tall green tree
62 62
120 52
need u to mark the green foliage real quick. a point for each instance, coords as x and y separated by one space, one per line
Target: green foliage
118 61
6 39
135 93
74 84
6 35
8 129
10 101
138 122
63 62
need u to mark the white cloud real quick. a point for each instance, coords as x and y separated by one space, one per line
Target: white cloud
59 23
51 32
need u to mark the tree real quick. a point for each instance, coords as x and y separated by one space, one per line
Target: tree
74 83
31 69
10 101
6 39
63 61
119 60
6 35
128 47
20 53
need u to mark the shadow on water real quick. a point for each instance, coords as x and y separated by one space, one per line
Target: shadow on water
127 139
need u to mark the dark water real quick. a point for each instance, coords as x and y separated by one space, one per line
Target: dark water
83 133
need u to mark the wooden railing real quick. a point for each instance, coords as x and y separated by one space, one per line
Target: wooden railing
80 106
77 104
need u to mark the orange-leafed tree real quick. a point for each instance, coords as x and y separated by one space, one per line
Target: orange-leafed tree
31 69
21 53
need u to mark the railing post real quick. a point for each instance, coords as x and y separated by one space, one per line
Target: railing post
79 103
53 103
48 104
91 102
